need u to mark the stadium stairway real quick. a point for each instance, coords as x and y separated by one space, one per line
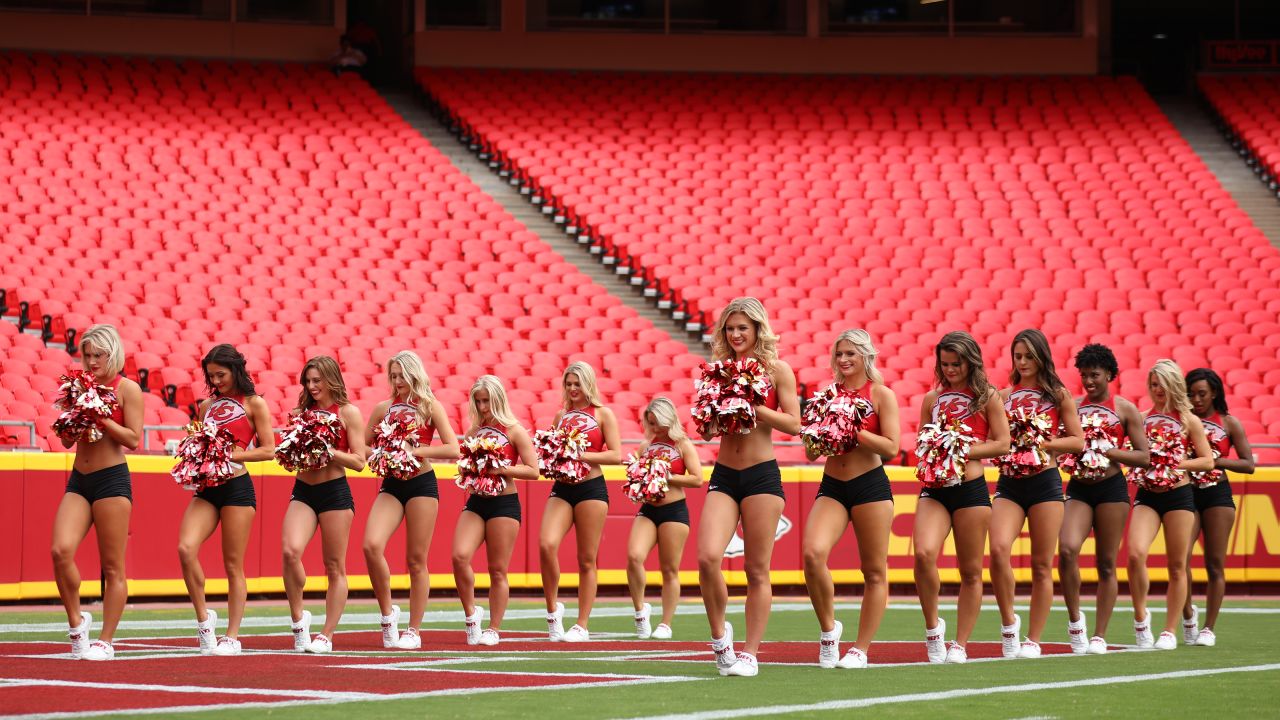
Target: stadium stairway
514 201
1196 125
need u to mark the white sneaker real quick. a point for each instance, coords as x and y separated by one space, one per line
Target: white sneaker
1167 641
662 632
723 648
79 635
488 637
100 650
829 646
391 628
1206 638
1142 633
320 644
1097 646
745 667
409 640
1191 627
935 642
644 628
855 659
226 647
206 632
555 624
1077 632
957 655
1009 635
473 625
577 633
302 632
1030 650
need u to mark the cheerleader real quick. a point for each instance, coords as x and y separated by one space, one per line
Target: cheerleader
494 521
415 500
322 498
235 406
1215 507
1033 492
963 395
1099 503
1161 504
664 522
583 505
855 489
99 494
746 487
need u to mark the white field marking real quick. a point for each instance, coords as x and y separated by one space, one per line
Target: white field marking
922 663
335 701
449 666
954 694
197 689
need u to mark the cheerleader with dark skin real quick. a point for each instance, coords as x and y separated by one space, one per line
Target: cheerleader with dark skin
1215 506
235 406
963 394
1100 505
855 489
99 495
1035 497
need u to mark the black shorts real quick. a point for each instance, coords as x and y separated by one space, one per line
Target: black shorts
489 508
102 484
326 496
1044 486
677 511
1179 498
760 479
1214 496
236 492
574 493
423 485
970 493
1111 489
871 486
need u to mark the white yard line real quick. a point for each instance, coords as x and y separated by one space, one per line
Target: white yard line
197 689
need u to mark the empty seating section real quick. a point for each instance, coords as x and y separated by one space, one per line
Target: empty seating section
1250 106
291 213
908 206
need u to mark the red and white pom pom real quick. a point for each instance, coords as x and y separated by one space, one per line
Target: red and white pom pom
648 478
833 419
84 404
204 457
1092 463
943 450
308 443
559 452
1208 478
1168 450
482 458
727 396
1028 430
394 441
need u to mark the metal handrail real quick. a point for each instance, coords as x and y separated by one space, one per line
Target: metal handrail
30 426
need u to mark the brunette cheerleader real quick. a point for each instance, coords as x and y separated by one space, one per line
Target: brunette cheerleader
235 406
99 494
855 489
493 521
414 500
963 395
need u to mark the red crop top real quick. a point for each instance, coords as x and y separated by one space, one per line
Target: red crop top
509 450
958 405
584 421
229 414
1111 420
408 413
666 450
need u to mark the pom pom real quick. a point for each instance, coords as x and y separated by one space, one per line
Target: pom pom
1028 430
84 405
1208 478
648 476
393 444
833 419
559 451
727 396
943 449
308 443
1168 450
481 459
1093 463
204 457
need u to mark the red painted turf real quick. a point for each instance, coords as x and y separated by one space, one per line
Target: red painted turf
23 700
